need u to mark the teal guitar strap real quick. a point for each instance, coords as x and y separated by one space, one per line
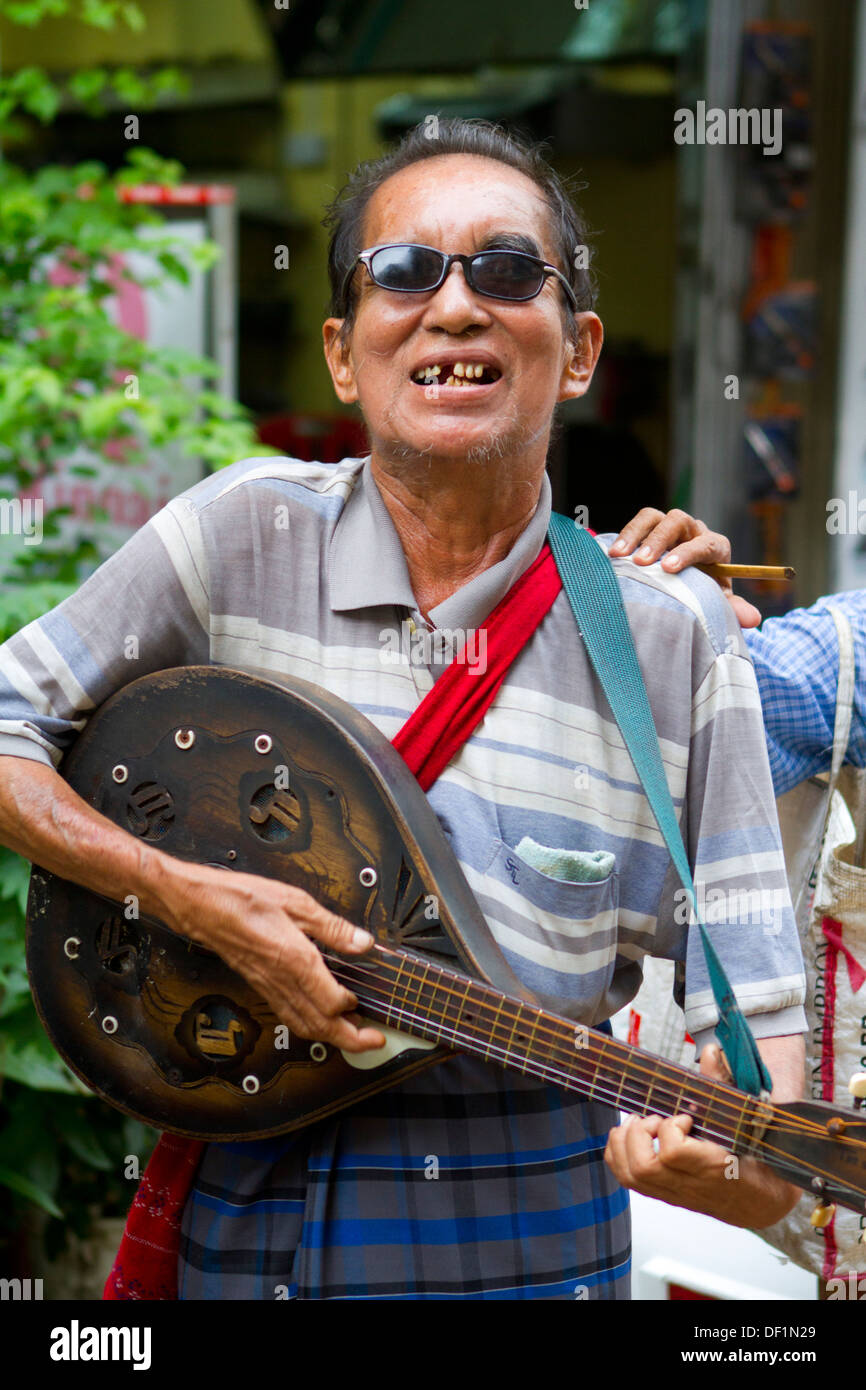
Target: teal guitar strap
593 591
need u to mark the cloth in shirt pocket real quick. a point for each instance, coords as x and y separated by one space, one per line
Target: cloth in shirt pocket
559 933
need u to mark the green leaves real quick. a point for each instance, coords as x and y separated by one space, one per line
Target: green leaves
87 84
71 382
102 14
31 90
22 1185
17 608
132 16
30 12
67 1155
39 382
74 1127
27 1056
146 166
174 265
100 414
130 86
205 254
14 879
29 1160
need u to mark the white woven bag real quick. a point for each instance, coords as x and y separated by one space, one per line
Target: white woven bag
829 896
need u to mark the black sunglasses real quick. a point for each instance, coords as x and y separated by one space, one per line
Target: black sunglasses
411 269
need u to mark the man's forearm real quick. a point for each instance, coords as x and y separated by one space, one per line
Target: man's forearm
786 1062
44 820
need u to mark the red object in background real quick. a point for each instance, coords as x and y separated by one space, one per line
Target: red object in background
178 195
679 1292
772 258
320 437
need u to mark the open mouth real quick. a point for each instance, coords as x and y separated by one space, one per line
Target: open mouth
461 373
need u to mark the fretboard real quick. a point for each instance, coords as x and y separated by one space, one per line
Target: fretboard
428 1001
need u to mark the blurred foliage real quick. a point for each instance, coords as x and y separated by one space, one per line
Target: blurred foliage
60 1149
69 377
72 381
31 91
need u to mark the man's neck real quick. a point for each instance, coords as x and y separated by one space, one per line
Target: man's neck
454 522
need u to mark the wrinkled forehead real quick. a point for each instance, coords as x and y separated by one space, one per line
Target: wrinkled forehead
458 202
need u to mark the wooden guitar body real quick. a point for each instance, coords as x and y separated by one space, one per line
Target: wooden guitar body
279 779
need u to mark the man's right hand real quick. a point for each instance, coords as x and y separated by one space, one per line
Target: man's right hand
266 931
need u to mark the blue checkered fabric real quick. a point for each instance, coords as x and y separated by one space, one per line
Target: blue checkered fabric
462 1183
796 659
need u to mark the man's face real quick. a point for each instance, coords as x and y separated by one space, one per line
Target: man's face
460 203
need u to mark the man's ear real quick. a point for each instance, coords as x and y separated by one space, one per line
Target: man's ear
578 370
338 357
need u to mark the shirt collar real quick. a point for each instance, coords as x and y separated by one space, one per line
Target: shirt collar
367 566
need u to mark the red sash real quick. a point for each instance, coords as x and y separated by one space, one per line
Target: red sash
146 1263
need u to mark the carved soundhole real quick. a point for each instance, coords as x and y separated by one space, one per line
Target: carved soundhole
218 1030
149 811
117 945
275 812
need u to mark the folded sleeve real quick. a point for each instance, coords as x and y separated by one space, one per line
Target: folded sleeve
146 608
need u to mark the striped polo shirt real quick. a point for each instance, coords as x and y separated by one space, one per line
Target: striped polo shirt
465 1181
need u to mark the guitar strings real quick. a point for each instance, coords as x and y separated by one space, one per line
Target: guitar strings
550 1072
615 1094
703 1127
734 1100
725 1095
598 1089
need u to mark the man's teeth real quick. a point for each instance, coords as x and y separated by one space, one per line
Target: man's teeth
462 373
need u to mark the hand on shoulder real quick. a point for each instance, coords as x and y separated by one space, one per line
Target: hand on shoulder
688 542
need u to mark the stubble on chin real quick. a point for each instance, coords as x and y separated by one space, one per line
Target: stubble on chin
509 436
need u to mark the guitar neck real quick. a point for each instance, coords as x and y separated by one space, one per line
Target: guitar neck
424 999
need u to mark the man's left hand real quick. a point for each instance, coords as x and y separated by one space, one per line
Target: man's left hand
658 1158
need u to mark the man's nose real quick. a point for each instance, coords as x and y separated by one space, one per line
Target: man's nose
455 301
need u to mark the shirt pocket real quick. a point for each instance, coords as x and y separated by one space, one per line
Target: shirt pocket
559 937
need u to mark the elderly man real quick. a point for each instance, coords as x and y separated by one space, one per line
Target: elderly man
459 322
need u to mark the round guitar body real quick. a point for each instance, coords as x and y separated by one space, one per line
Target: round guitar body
258 774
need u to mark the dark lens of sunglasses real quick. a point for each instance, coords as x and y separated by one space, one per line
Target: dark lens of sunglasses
507 275
406 267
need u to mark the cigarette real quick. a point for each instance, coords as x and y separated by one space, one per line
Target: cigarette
748 571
